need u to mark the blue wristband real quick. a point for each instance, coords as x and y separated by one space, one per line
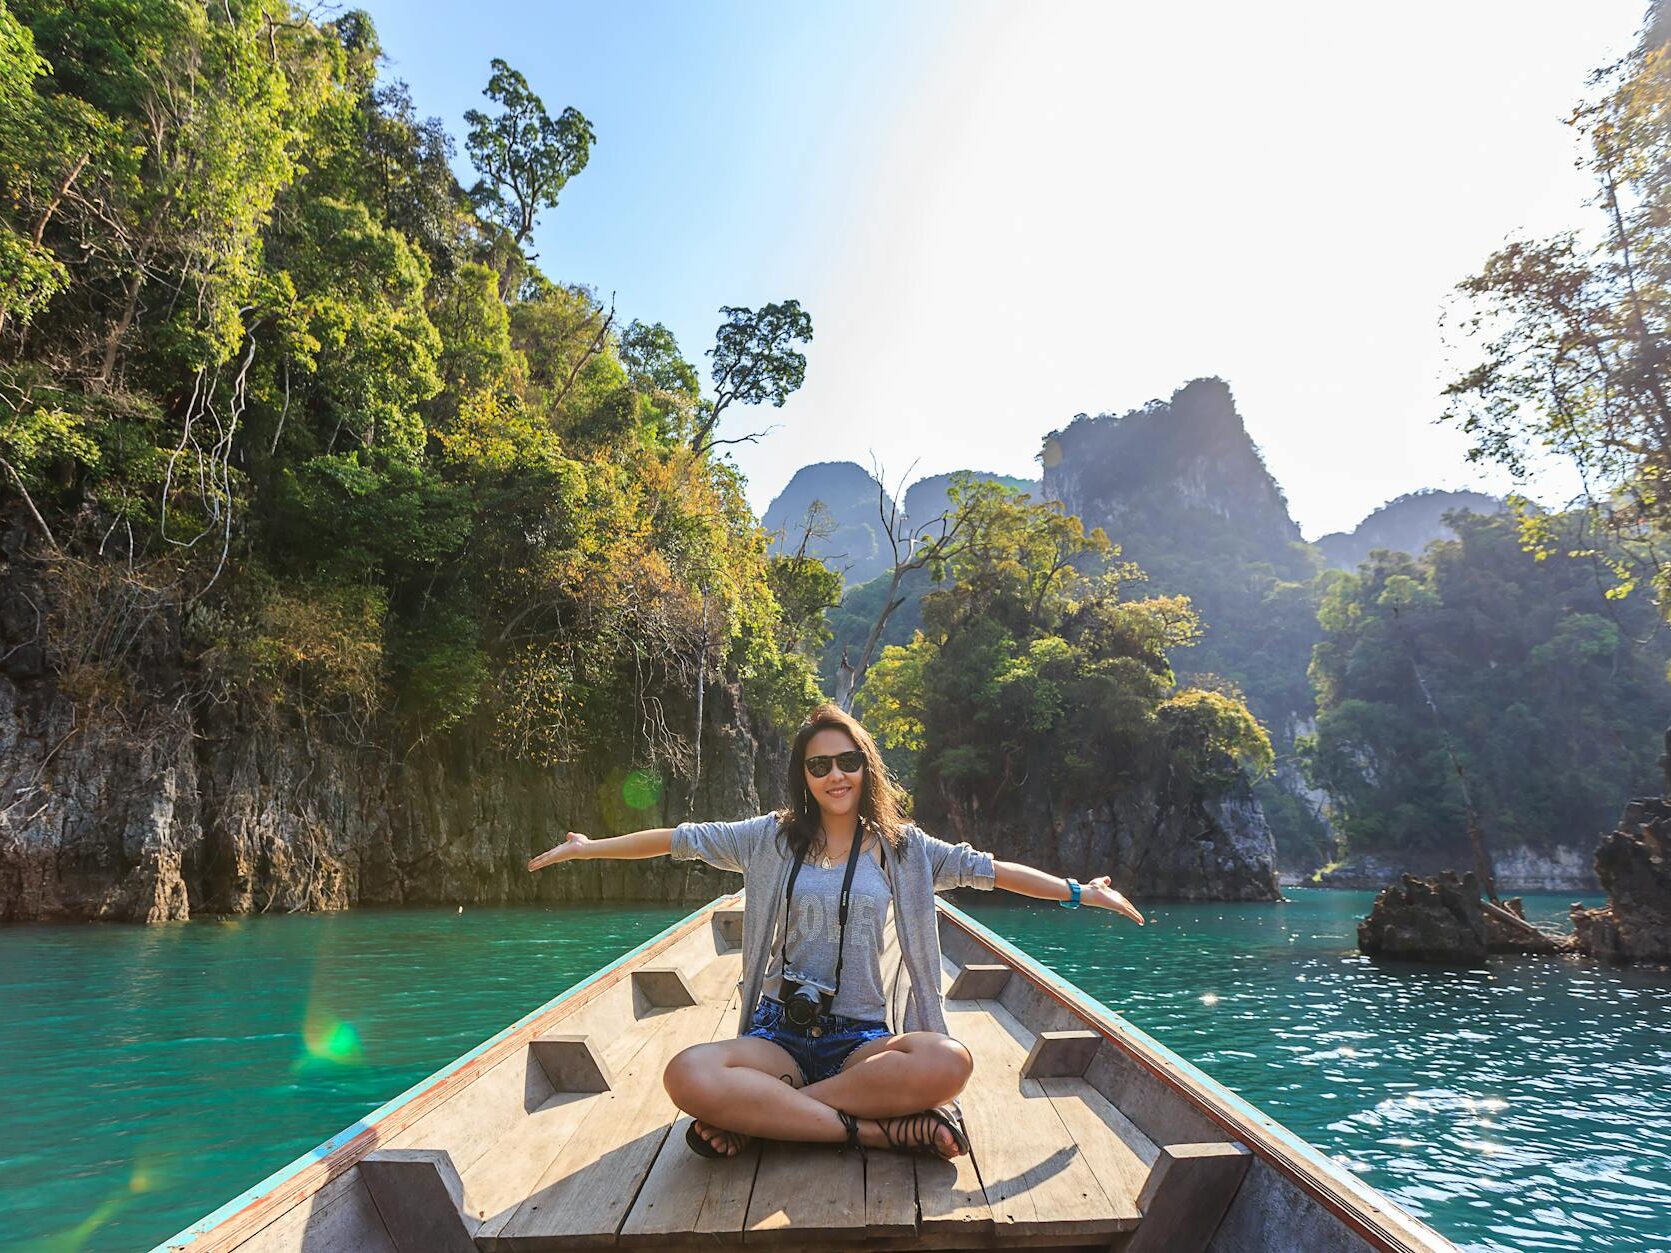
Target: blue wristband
1073 886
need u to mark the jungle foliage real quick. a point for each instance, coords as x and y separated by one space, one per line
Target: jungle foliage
1033 680
1549 694
270 371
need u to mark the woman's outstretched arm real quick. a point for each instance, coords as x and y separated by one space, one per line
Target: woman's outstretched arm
1014 877
656 842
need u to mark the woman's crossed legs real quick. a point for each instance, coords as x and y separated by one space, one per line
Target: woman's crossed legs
755 1087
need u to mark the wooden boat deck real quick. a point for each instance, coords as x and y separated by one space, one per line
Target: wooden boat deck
559 1134
1052 1160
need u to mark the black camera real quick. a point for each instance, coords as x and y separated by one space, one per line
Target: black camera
803 1000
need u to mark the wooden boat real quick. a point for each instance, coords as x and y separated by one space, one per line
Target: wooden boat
558 1133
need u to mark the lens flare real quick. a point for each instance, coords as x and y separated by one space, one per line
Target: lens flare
330 1040
642 789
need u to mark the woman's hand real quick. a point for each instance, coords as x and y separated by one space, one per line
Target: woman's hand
568 850
1100 892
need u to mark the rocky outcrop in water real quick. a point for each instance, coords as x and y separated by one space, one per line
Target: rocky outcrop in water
1634 866
1442 919
1153 848
1436 919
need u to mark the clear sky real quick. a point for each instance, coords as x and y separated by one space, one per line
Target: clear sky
1001 215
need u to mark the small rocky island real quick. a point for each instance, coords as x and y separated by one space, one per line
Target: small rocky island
1634 866
1443 919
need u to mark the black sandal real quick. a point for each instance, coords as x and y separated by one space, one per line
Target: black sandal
917 1136
852 1125
699 1143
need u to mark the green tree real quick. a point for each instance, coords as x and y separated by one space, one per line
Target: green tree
1574 333
1033 687
754 361
1549 695
525 157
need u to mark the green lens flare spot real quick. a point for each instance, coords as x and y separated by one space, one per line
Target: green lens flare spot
330 1039
642 789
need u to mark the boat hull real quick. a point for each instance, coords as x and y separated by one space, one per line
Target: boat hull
557 1133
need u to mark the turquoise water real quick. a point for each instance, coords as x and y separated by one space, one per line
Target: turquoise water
154 1073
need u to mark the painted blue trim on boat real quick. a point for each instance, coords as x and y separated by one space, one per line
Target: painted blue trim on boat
1369 1197
321 1151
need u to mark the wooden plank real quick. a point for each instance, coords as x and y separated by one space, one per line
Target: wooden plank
686 1194
1119 1154
506 1177
890 1195
420 1196
1186 1196
1036 1179
1060 1053
501 1181
1361 1210
806 1192
571 1064
978 981
339 1218
951 1203
585 1193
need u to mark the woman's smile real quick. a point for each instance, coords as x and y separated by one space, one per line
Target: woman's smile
838 791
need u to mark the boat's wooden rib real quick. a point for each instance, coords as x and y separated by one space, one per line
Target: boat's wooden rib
558 1134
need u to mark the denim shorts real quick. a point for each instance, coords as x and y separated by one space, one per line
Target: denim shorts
819 1056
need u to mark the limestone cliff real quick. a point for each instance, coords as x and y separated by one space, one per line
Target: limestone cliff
182 815
1153 847
163 806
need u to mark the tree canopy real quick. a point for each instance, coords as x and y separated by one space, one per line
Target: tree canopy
267 367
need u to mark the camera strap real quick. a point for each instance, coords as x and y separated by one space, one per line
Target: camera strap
841 913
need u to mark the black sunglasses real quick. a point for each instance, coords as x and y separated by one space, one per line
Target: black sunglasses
851 762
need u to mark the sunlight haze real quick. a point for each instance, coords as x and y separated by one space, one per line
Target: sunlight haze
1000 216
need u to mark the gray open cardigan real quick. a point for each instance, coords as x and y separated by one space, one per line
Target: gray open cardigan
915 872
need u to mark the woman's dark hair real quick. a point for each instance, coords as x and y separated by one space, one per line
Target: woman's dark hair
879 796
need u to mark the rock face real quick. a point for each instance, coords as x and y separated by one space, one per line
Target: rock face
854 541
184 817
1517 868
1430 920
151 810
1634 866
1203 850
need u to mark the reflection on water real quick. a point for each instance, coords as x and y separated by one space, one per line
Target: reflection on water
155 1073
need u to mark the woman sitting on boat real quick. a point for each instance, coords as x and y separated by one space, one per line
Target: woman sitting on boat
815 1058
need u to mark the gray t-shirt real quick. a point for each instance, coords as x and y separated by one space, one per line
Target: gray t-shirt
815 927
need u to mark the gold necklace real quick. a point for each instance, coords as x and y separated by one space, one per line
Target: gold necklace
825 862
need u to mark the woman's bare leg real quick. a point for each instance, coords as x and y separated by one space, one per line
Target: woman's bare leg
753 1086
749 1085
899 1075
